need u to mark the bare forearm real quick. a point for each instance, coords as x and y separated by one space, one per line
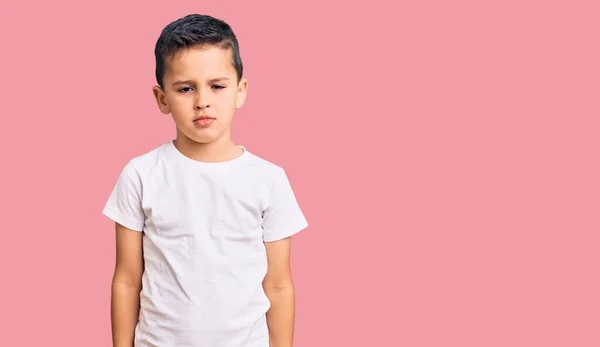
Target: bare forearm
125 308
280 317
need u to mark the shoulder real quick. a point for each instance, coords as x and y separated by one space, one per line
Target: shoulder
145 162
264 168
140 168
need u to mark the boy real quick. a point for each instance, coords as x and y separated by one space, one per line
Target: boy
203 226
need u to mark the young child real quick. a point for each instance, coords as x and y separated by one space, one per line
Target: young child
203 226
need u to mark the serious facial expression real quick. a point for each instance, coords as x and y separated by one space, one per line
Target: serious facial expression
201 91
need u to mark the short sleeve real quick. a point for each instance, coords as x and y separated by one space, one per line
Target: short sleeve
124 205
282 217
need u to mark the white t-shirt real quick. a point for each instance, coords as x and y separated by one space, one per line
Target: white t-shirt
204 225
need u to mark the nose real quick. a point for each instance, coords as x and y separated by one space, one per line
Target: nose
201 102
200 105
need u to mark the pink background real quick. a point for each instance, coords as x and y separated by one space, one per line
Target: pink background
446 155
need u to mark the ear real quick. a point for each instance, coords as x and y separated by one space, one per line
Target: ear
159 95
242 91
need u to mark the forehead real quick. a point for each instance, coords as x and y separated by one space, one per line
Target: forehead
200 62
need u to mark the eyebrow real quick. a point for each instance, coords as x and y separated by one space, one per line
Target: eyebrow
210 81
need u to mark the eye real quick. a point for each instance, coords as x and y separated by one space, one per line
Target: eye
218 87
184 90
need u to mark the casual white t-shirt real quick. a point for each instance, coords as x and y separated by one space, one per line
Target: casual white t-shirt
204 228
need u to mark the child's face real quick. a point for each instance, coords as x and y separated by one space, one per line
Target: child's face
201 82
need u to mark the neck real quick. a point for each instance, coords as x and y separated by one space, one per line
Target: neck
222 149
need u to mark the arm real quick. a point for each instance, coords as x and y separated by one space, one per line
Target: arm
126 286
279 288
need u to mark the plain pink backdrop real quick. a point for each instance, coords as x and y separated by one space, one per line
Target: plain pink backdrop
446 155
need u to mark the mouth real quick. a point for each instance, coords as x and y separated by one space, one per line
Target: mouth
203 117
203 120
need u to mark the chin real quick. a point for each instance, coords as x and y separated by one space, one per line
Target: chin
203 138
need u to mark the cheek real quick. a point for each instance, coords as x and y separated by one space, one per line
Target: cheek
178 108
233 98
225 102
180 103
